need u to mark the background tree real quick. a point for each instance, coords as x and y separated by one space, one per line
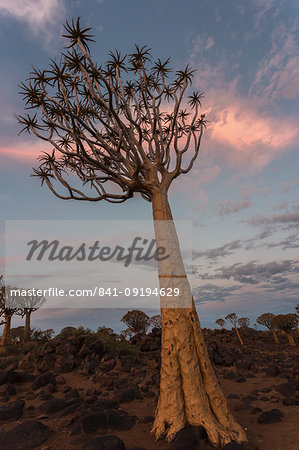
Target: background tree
156 321
112 132
266 320
286 323
221 323
29 304
9 306
233 319
244 322
136 321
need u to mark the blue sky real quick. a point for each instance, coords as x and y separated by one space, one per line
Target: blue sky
242 194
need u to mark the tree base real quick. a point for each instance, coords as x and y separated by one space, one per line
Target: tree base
190 393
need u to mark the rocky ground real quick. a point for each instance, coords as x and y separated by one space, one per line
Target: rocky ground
80 392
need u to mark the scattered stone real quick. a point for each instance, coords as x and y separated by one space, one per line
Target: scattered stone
290 401
12 410
191 438
7 389
273 371
233 396
272 416
112 419
44 380
27 435
256 410
128 395
242 406
55 405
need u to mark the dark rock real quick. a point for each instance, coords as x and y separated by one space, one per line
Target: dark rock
240 380
26 365
233 396
256 410
230 375
265 390
287 389
44 380
290 401
112 419
217 359
55 405
191 438
109 442
272 416
7 389
242 406
128 395
249 398
44 396
46 363
245 364
64 365
105 403
12 410
273 371
73 393
13 376
27 435
264 399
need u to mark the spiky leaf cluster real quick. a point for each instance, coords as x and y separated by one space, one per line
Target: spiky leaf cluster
123 122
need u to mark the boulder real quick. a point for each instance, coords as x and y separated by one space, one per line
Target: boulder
272 416
44 380
27 435
12 410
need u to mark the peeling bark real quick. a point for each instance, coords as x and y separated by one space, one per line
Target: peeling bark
27 326
189 389
6 339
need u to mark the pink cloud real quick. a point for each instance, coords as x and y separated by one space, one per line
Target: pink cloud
28 151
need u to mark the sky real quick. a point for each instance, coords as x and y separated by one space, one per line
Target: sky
242 194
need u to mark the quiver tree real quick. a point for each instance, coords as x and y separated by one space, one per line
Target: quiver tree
156 321
243 322
266 320
9 306
233 319
124 128
136 321
29 304
286 323
221 323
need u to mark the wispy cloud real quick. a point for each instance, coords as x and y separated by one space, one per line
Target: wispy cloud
37 14
254 273
218 252
228 207
278 73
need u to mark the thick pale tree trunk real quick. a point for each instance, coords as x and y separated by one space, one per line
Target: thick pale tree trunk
6 339
27 326
239 336
189 389
275 337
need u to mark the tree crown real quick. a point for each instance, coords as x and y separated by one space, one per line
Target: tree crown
121 127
